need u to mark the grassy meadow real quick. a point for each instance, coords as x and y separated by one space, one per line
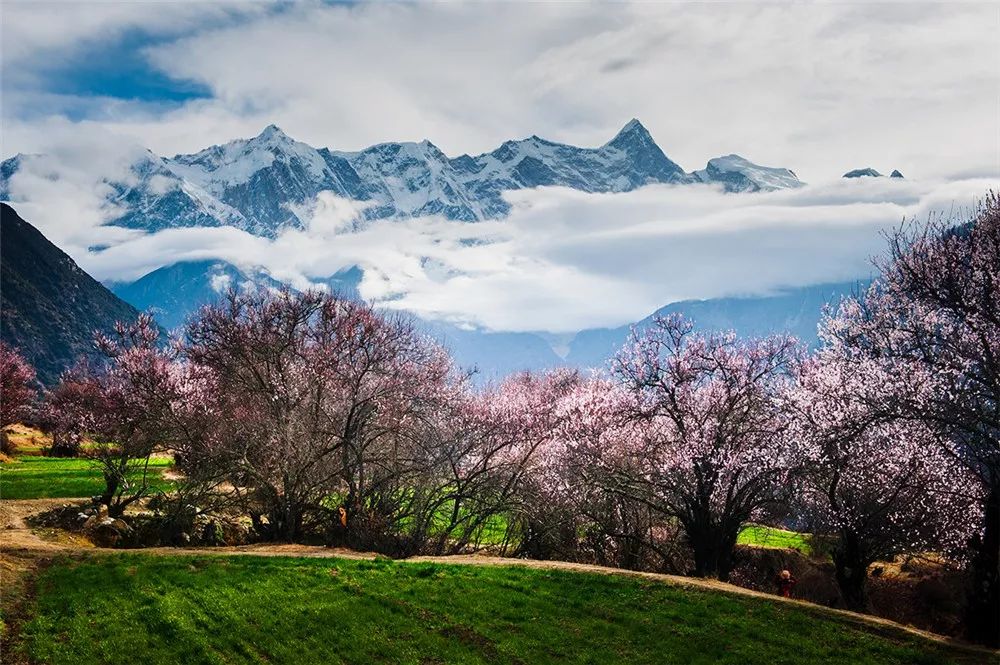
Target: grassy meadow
140 608
767 536
35 477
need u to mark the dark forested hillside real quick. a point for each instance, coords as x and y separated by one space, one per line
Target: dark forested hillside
49 307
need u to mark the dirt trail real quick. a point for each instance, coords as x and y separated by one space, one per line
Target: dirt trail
17 536
19 540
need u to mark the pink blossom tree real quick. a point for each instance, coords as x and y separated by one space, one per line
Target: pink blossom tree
519 417
878 484
125 403
713 455
314 394
17 390
64 413
937 305
592 434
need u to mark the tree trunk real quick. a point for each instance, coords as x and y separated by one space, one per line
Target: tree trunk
983 606
852 573
631 553
713 551
110 490
286 522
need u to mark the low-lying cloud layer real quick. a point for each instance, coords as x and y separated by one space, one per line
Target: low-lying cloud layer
562 261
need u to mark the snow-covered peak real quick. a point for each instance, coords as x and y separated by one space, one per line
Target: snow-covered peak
633 134
261 184
234 163
272 133
738 174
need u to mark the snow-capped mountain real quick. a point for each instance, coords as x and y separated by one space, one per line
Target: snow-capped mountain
737 174
868 172
265 177
154 197
260 184
413 179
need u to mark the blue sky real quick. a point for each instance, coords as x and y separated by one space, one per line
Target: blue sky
116 69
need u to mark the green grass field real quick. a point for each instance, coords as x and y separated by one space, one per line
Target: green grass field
54 477
766 536
145 609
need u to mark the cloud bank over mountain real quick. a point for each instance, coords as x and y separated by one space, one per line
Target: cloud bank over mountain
562 260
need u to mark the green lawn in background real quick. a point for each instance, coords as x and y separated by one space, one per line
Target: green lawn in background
766 536
31 477
136 608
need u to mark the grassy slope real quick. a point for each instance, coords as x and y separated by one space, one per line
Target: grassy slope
139 608
52 477
766 536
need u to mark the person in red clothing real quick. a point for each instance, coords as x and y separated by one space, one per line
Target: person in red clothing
785 583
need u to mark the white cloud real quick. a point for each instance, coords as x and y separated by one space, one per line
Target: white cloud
820 88
221 283
566 260
43 29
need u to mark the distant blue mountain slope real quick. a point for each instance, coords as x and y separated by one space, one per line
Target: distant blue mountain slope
175 292
793 312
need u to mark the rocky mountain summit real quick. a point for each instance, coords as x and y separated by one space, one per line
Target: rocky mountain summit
266 183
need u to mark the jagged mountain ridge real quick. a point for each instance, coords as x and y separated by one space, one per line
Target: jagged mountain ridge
261 184
869 172
49 307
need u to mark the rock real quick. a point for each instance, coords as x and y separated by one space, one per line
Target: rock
104 534
106 531
895 174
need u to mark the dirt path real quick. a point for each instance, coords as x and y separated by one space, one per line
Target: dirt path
20 543
17 537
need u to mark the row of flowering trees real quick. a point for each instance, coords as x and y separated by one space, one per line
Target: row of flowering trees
317 416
